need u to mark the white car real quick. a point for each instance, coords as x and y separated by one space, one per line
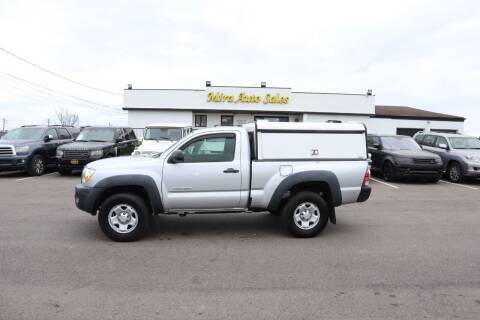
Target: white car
158 137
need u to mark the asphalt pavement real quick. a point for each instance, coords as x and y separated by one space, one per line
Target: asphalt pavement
410 252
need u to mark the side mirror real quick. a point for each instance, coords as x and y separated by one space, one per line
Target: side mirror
48 138
176 157
443 146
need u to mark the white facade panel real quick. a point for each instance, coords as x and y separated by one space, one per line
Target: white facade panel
142 118
389 126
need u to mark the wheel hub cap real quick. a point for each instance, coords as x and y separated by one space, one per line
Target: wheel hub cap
306 215
123 218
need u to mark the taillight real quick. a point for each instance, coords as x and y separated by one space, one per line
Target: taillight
366 178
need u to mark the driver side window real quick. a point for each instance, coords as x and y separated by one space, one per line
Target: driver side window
210 148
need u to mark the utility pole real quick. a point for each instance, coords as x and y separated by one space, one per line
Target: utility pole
4 121
48 122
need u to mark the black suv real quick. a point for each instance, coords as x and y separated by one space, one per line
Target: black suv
33 148
395 157
95 143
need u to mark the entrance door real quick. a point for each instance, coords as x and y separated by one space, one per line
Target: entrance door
209 177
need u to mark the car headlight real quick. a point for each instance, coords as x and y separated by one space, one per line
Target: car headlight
59 153
472 158
87 174
96 153
22 149
405 160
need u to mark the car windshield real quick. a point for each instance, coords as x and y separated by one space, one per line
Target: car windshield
24 134
96 134
464 143
399 143
171 134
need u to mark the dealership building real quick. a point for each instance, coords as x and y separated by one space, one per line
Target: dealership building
235 106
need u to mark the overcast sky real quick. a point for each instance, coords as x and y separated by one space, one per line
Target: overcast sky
416 53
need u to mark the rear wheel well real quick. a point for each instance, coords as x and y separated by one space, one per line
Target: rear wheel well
319 187
137 190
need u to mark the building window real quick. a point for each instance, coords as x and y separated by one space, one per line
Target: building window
200 120
226 120
272 118
408 131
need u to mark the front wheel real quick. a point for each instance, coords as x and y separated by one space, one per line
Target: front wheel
123 217
454 172
305 214
388 172
37 166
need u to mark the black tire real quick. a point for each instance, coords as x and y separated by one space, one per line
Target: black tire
126 200
37 166
64 171
454 172
388 171
294 203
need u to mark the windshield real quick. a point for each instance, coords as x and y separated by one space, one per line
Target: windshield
464 143
96 135
171 134
399 143
24 134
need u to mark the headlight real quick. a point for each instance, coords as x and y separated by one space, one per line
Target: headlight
472 158
59 153
403 160
22 149
87 174
96 153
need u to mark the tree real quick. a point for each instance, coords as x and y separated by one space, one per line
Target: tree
67 118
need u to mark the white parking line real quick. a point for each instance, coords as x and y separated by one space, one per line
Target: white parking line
21 179
387 184
460 185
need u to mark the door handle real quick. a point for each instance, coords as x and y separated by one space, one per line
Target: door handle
230 170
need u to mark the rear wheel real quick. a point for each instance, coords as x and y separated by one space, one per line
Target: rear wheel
123 217
37 165
388 172
305 214
454 172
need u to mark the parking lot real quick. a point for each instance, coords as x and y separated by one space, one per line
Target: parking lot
411 251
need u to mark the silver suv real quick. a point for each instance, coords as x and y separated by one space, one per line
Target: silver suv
460 153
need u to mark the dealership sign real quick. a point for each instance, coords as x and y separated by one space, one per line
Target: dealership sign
246 98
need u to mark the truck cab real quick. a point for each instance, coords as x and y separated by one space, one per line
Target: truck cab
300 171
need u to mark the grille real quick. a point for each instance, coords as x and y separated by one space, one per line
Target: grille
6 151
424 161
75 154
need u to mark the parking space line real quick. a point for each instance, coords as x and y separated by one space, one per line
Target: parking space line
387 184
460 185
21 179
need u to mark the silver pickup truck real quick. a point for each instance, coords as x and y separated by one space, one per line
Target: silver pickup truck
301 171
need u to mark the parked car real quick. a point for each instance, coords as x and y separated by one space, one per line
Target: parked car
33 148
395 157
158 137
95 143
292 169
460 153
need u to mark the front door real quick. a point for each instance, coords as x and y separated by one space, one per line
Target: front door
208 178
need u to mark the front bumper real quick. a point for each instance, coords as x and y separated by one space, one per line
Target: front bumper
86 198
12 163
74 164
364 194
419 171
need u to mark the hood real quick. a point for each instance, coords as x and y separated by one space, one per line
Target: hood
417 154
155 145
80 145
18 143
121 162
468 152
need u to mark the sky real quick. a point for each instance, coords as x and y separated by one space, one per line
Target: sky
422 54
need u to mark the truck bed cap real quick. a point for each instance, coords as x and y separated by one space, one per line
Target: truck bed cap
306 126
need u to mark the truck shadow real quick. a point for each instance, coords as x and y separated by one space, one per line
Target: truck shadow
233 224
